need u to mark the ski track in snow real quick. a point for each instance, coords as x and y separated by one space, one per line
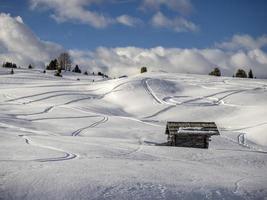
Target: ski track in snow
40 94
103 120
192 101
56 118
113 89
50 108
214 103
67 156
149 90
122 117
52 96
207 99
46 110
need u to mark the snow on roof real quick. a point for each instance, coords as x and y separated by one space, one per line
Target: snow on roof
192 128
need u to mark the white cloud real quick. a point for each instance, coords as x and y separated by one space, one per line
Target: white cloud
74 10
77 11
244 42
18 43
81 11
128 20
177 24
128 60
181 6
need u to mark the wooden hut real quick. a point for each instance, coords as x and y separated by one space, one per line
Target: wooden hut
190 134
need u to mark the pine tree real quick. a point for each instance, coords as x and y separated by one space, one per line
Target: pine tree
77 69
14 65
215 72
53 65
241 73
250 74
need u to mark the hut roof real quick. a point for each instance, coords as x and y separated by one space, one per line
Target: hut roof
192 128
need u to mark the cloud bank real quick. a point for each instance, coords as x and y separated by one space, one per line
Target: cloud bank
19 44
128 60
244 42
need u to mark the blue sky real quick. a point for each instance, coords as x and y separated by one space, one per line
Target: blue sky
119 36
217 21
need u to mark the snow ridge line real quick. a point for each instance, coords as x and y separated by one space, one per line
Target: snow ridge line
67 156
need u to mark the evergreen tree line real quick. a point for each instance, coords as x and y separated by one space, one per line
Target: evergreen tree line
13 65
63 62
9 65
240 73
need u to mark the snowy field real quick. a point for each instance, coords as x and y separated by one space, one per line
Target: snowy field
61 138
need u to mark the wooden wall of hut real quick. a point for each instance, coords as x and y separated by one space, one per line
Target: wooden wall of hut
191 141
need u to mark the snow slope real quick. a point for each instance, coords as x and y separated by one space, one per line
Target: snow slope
61 138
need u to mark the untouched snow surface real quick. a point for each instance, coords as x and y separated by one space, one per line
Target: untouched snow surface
61 138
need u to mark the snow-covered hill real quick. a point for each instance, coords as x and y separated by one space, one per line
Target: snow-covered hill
61 138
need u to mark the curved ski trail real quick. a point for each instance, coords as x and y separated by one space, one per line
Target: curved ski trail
103 120
67 156
150 91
